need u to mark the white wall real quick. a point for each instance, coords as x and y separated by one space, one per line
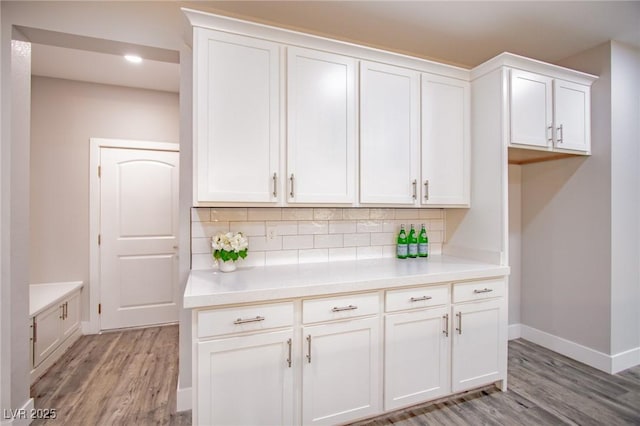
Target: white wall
625 200
64 115
515 241
566 229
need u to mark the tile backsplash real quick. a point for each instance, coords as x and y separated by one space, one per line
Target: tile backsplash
280 236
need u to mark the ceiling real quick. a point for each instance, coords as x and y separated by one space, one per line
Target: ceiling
464 33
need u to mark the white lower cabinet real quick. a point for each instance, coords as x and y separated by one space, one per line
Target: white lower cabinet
53 326
246 380
479 347
416 350
340 373
325 360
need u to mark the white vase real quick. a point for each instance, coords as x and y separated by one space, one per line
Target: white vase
228 266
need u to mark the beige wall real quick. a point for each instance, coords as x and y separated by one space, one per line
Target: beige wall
65 114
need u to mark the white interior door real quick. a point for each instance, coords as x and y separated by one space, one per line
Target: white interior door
139 244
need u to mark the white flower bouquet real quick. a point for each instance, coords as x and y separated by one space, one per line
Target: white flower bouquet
229 246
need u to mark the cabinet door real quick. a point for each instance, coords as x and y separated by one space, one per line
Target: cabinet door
236 100
445 141
530 108
572 106
71 317
389 134
245 380
416 348
479 344
321 143
48 333
341 371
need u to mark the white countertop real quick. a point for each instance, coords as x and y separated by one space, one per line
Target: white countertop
42 296
266 283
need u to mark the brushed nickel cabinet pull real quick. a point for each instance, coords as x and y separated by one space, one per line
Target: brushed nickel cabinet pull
309 348
419 299
426 189
344 308
560 134
244 321
66 310
61 312
275 185
415 189
35 331
446 325
289 359
291 180
550 137
459 328
484 290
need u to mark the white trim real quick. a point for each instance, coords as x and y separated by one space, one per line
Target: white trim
197 18
515 331
183 398
611 364
19 420
93 325
624 360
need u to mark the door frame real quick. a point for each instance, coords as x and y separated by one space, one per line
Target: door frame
93 326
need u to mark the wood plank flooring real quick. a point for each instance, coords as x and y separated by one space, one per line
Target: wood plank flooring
126 378
130 378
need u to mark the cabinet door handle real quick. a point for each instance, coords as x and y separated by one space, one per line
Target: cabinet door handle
289 359
291 180
459 328
309 348
415 189
560 134
550 137
445 317
344 308
426 189
61 312
35 331
419 299
244 321
484 290
66 310
275 185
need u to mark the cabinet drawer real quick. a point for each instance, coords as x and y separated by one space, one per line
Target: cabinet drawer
477 290
332 308
213 322
418 297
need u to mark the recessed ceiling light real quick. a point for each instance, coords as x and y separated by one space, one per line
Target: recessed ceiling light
133 58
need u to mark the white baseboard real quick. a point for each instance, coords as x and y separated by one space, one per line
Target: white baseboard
18 417
183 398
88 327
611 364
515 331
624 360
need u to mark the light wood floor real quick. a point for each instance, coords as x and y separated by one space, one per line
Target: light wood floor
130 377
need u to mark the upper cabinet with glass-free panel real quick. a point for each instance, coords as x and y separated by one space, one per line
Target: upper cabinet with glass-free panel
237 118
321 127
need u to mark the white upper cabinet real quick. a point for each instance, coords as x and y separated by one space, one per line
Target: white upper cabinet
237 118
531 109
446 138
572 107
389 134
549 113
321 120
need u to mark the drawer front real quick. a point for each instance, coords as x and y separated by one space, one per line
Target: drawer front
417 297
477 290
341 307
214 322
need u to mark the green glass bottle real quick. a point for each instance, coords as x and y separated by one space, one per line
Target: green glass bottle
413 243
423 243
402 244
